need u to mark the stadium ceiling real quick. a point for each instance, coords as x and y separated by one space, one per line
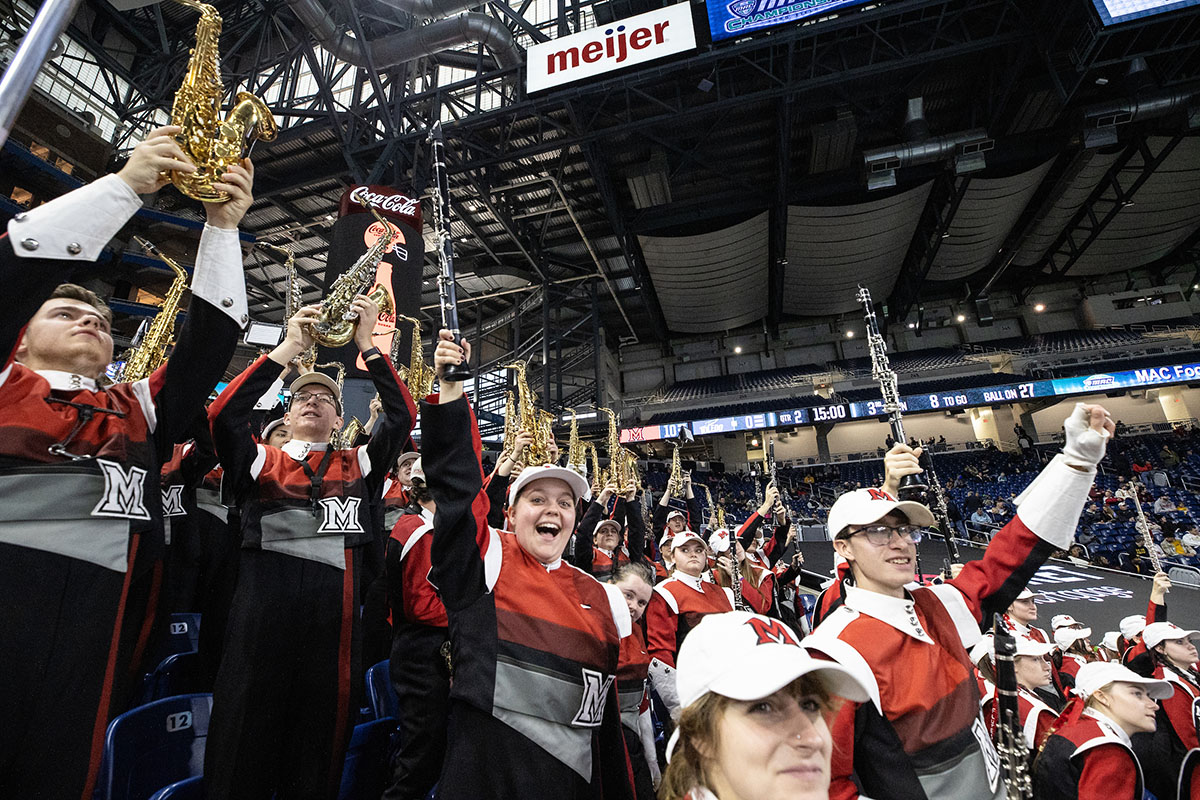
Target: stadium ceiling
1044 147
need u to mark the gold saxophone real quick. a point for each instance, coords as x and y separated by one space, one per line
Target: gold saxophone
338 320
151 351
510 426
529 418
295 296
618 463
214 145
677 475
418 375
576 451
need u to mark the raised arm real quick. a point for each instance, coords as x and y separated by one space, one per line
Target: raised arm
635 525
451 457
399 410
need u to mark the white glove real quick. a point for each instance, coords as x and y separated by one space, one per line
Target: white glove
1084 447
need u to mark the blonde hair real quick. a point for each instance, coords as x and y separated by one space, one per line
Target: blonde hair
698 730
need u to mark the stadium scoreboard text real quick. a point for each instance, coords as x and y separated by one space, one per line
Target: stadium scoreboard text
1002 394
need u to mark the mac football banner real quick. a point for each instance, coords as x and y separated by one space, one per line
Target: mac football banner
355 232
728 18
623 43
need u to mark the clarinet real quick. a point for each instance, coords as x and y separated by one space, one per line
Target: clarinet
739 602
1010 737
441 223
943 513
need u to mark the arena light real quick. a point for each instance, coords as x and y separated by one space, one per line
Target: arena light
849 334
961 318
738 349
1039 307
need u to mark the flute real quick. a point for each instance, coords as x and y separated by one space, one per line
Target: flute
1144 528
447 297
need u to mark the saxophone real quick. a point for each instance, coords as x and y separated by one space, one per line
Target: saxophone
576 452
530 419
418 375
339 440
338 321
617 464
677 476
295 295
151 351
214 145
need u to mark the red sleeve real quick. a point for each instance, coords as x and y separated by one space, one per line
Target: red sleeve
1045 722
1155 613
1108 774
1178 708
990 584
841 784
760 602
662 625
746 533
1069 667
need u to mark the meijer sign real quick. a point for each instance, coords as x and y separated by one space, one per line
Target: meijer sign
662 32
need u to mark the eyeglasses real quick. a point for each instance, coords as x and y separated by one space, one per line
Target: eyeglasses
880 535
320 397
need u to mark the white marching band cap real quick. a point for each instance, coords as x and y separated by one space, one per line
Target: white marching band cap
1132 625
1065 637
1027 594
685 536
417 473
746 656
1158 632
864 506
720 541
677 513
610 523
405 457
1097 674
579 485
1110 641
1025 647
1062 621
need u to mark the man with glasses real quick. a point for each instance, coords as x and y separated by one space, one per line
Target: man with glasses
921 735
81 514
282 714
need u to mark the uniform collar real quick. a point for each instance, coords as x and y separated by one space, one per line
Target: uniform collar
899 612
299 450
67 381
608 553
426 515
696 583
1109 726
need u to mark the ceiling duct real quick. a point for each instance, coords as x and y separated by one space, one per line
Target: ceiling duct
1146 101
398 48
965 148
431 9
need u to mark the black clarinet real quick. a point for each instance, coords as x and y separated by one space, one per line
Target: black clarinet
441 223
1010 736
912 487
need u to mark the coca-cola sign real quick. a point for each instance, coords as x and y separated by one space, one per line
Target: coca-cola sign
387 201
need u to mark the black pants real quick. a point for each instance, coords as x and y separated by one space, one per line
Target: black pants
220 549
422 683
642 782
287 689
72 637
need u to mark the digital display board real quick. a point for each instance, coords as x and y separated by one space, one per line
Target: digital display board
729 18
1002 394
1114 12
961 398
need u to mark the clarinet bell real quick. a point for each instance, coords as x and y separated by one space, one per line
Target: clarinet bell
457 373
913 487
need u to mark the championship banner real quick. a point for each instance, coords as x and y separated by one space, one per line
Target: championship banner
399 272
1099 598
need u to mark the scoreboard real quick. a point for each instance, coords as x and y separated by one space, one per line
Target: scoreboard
1002 394
1114 12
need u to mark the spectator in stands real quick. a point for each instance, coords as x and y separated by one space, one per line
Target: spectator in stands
1078 555
1173 547
971 503
1124 511
1142 468
1109 498
980 518
1168 457
1163 505
1122 492
1086 537
1191 538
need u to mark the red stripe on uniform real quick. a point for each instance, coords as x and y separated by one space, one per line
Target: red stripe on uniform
101 723
151 617
343 697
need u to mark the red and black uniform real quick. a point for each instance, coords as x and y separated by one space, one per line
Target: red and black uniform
395 501
533 711
1162 752
677 605
1035 716
282 711
603 565
925 738
81 525
1134 654
1089 759
1069 668
633 697
184 562
219 531
417 666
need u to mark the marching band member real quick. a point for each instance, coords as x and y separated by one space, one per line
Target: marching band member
633 696
1032 666
674 521
1161 754
678 605
1088 756
1022 614
1133 652
417 667
756 714
396 488
81 520
534 641
294 628
925 738
1073 647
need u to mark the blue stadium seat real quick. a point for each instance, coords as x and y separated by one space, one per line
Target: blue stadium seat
381 697
181 673
154 745
366 773
183 635
190 789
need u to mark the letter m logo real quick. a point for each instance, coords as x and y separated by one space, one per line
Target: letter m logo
595 691
771 631
122 492
880 494
172 501
341 515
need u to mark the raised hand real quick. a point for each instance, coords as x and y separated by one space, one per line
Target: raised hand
238 183
152 160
